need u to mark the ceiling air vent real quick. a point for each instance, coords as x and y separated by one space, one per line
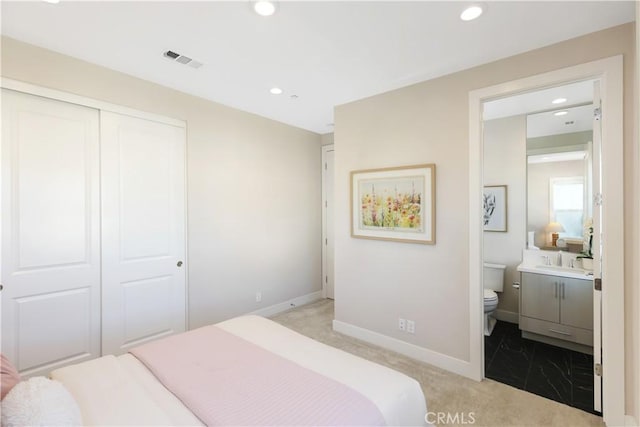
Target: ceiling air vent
184 60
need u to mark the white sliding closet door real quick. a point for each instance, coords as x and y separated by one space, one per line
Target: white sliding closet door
50 232
143 231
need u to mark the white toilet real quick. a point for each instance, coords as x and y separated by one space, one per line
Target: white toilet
493 281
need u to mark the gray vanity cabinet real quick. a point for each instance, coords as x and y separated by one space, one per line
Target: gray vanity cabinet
540 297
558 307
578 309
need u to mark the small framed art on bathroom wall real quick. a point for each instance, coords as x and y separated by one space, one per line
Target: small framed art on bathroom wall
495 208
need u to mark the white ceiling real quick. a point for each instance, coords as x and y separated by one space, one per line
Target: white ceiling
326 53
577 119
574 93
541 120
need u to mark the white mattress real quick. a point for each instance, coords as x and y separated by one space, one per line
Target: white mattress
121 391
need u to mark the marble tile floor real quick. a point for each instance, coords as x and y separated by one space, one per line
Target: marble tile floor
552 372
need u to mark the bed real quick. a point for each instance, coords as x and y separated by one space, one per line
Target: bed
244 371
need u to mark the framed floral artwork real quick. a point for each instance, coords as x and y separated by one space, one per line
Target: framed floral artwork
395 204
495 208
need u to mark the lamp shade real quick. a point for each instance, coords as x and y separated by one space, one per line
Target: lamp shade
554 227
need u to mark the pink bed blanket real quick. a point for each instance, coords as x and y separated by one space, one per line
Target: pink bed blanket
226 380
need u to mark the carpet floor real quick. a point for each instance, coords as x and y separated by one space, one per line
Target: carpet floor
488 403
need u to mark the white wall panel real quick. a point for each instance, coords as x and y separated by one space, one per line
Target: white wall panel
53 326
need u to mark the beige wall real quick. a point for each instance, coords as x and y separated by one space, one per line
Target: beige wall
505 163
376 281
253 186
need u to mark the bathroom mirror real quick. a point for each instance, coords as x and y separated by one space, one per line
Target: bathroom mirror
559 157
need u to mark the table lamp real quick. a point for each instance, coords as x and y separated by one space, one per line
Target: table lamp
554 228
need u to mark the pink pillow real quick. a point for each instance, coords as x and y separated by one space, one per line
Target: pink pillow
8 375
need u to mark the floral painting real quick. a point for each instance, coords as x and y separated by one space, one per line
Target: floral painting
394 204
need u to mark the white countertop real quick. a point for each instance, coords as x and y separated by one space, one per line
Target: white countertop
552 270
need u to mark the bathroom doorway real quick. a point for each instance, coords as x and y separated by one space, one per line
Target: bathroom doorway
608 74
538 151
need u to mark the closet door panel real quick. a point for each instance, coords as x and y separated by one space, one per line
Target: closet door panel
50 232
143 230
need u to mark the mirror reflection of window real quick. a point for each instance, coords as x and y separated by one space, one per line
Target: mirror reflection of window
567 204
559 170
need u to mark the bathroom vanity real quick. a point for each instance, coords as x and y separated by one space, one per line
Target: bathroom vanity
556 301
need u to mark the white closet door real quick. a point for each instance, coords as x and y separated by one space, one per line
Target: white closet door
143 231
50 232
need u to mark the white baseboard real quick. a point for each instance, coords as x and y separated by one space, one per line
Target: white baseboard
286 305
506 316
440 360
630 421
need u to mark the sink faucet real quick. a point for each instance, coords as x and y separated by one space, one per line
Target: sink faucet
546 260
559 259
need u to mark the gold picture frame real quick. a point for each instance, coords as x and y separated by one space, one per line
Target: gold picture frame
395 204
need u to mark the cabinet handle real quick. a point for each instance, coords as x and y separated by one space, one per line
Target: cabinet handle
560 332
555 287
562 290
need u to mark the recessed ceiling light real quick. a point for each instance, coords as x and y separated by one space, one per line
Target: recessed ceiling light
559 100
275 91
264 8
472 12
561 113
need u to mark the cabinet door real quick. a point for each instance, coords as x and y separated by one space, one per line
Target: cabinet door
143 231
540 299
50 232
576 303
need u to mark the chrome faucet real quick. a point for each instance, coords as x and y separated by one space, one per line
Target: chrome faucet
559 261
546 260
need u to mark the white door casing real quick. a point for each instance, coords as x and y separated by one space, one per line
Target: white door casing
596 209
143 231
328 278
609 72
50 232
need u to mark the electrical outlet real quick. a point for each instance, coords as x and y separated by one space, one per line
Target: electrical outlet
411 326
258 296
402 324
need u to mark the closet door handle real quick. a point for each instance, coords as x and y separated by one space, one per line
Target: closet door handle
179 264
